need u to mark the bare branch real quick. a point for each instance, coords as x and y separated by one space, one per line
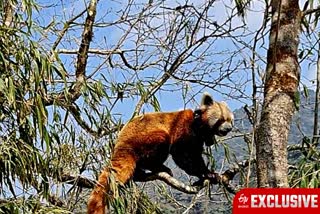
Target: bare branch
77 180
108 53
173 182
93 51
223 179
102 131
65 29
310 11
84 47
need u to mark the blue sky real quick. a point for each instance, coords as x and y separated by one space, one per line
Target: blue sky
107 37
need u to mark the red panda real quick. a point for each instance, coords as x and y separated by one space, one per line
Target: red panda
146 141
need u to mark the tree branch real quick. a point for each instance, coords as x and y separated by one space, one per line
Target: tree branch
173 182
310 11
315 140
77 180
171 68
93 51
102 131
74 91
65 29
223 179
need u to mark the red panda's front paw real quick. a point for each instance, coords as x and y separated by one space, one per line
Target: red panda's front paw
212 177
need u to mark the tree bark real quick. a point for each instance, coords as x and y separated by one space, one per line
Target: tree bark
315 138
8 13
281 84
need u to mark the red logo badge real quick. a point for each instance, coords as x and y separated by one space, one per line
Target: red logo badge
277 201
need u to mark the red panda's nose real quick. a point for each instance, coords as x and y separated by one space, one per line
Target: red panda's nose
225 128
228 127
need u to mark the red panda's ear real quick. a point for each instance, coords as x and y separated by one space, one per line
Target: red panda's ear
206 99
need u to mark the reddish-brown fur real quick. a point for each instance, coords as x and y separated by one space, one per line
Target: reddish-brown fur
146 141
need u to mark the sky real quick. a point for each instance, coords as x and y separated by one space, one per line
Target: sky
109 36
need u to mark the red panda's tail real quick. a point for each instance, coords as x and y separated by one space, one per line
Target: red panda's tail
97 201
123 165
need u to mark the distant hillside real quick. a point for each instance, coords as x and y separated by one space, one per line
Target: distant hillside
302 125
302 118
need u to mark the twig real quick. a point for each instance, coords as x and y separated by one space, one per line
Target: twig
94 51
100 132
310 11
79 181
65 29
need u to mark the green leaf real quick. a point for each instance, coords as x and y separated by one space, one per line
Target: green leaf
301 54
155 103
303 182
305 91
297 100
12 93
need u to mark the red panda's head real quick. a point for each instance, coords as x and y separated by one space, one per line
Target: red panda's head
217 118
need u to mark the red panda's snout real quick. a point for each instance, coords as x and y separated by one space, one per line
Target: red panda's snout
224 129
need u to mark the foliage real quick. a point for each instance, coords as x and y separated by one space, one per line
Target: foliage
307 172
66 91
25 140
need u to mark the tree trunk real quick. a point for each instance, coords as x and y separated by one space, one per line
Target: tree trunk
281 84
315 138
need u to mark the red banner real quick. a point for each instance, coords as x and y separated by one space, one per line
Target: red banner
277 201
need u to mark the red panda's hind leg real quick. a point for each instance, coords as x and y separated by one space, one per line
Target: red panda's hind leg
123 165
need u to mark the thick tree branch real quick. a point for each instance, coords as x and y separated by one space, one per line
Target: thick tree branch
73 93
85 43
173 182
315 140
223 179
281 84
